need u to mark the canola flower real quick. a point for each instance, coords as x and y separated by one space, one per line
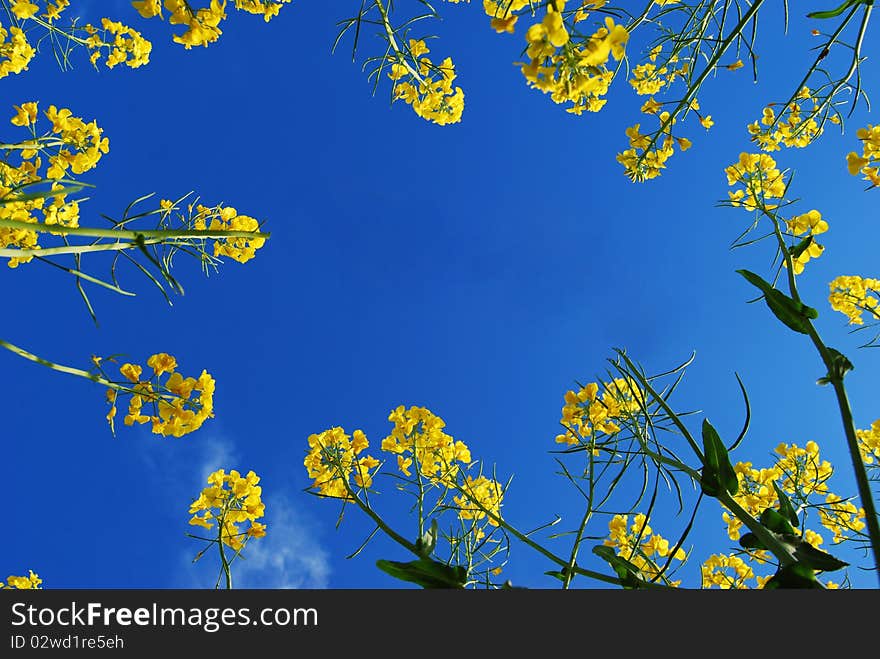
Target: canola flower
569 72
418 436
224 218
866 163
30 582
123 44
869 443
232 504
176 406
641 546
730 572
426 87
334 461
803 476
587 414
808 224
47 155
203 23
16 52
427 457
763 183
853 295
479 495
789 128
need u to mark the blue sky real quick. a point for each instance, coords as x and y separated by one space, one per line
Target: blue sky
478 269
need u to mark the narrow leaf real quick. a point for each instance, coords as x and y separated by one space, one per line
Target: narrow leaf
785 507
426 573
794 315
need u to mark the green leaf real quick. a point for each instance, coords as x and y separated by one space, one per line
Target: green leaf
751 541
794 315
793 576
626 571
717 473
831 13
785 507
801 247
775 522
556 574
817 559
840 366
426 573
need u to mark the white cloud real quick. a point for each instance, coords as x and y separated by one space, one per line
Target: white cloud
290 555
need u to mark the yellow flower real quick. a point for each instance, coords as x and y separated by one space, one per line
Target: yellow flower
30 582
24 9
148 8
132 372
25 114
162 363
504 24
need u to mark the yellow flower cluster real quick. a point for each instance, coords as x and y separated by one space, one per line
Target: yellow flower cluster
502 13
180 405
800 473
812 224
30 582
642 161
480 493
585 413
124 45
228 501
852 295
427 87
790 128
869 442
572 73
15 51
868 163
85 140
418 436
419 441
226 218
267 8
75 145
762 182
648 153
649 78
53 11
841 517
798 470
333 456
638 544
203 24
729 572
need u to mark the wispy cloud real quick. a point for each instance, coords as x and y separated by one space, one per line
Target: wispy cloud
290 555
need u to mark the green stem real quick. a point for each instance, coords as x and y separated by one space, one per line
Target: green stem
162 234
62 369
835 377
227 570
561 562
781 551
710 66
394 535
392 41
